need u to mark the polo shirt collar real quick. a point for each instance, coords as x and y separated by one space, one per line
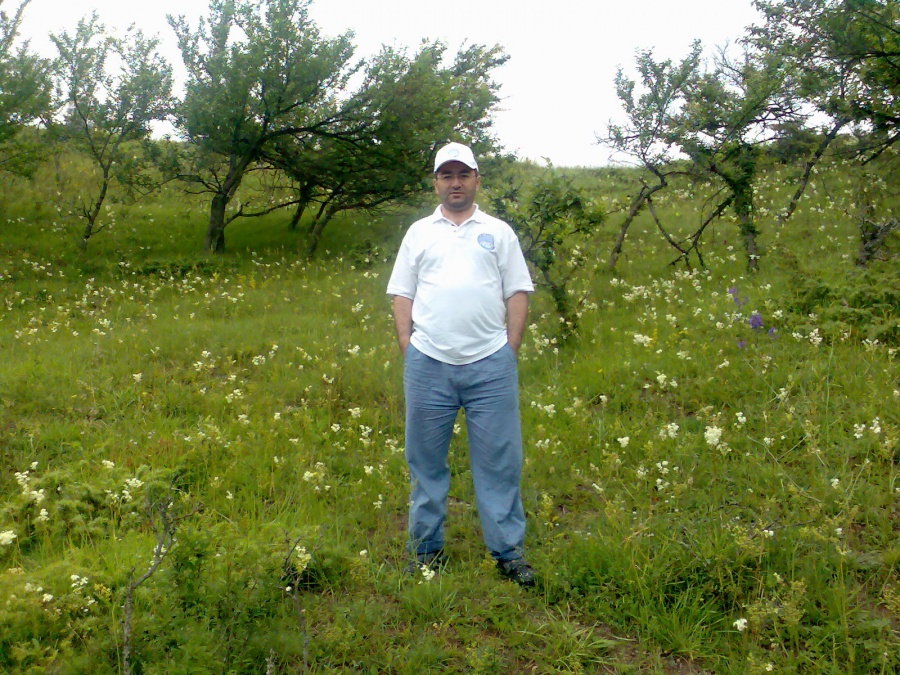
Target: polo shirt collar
439 216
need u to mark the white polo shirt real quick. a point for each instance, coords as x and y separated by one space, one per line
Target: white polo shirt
459 278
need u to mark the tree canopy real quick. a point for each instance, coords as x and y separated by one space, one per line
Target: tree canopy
266 90
25 90
812 69
104 112
845 58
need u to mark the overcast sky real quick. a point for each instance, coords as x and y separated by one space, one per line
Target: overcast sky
557 87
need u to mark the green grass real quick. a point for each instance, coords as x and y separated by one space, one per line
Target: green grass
685 474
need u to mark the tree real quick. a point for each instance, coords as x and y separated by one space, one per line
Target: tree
278 96
257 72
107 113
729 112
644 137
408 101
844 56
25 92
556 224
716 117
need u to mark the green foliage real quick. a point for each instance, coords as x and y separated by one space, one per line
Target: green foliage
715 117
841 55
25 91
556 223
405 98
279 99
650 113
108 115
865 304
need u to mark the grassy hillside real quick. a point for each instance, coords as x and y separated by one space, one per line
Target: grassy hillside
711 471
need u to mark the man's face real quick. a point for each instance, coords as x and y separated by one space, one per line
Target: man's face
456 185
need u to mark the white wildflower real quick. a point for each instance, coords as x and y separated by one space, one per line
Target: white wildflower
713 435
875 427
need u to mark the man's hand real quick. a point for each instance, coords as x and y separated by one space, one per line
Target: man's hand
402 308
516 314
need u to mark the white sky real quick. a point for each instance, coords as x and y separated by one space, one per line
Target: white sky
557 87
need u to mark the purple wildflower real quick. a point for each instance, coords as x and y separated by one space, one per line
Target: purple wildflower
755 321
739 301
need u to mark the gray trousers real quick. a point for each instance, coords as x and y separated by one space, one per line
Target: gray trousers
488 392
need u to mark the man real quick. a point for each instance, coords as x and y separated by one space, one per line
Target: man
460 298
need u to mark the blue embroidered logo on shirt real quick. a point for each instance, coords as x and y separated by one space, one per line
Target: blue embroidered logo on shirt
486 241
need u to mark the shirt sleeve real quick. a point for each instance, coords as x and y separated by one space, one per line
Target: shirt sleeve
516 277
404 276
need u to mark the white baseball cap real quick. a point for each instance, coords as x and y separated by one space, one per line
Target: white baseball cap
455 152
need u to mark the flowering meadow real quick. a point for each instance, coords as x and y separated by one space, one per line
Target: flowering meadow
201 459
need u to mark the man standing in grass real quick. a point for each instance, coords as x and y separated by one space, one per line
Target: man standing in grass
460 298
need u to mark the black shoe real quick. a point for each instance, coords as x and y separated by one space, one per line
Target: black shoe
430 561
517 570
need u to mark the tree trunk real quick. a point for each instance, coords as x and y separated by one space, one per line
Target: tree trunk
620 241
749 234
94 213
304 195
295 219
743 206
871 238
56 166
740 178
839 124
636 205
215 230
316 229
86 234
564 311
